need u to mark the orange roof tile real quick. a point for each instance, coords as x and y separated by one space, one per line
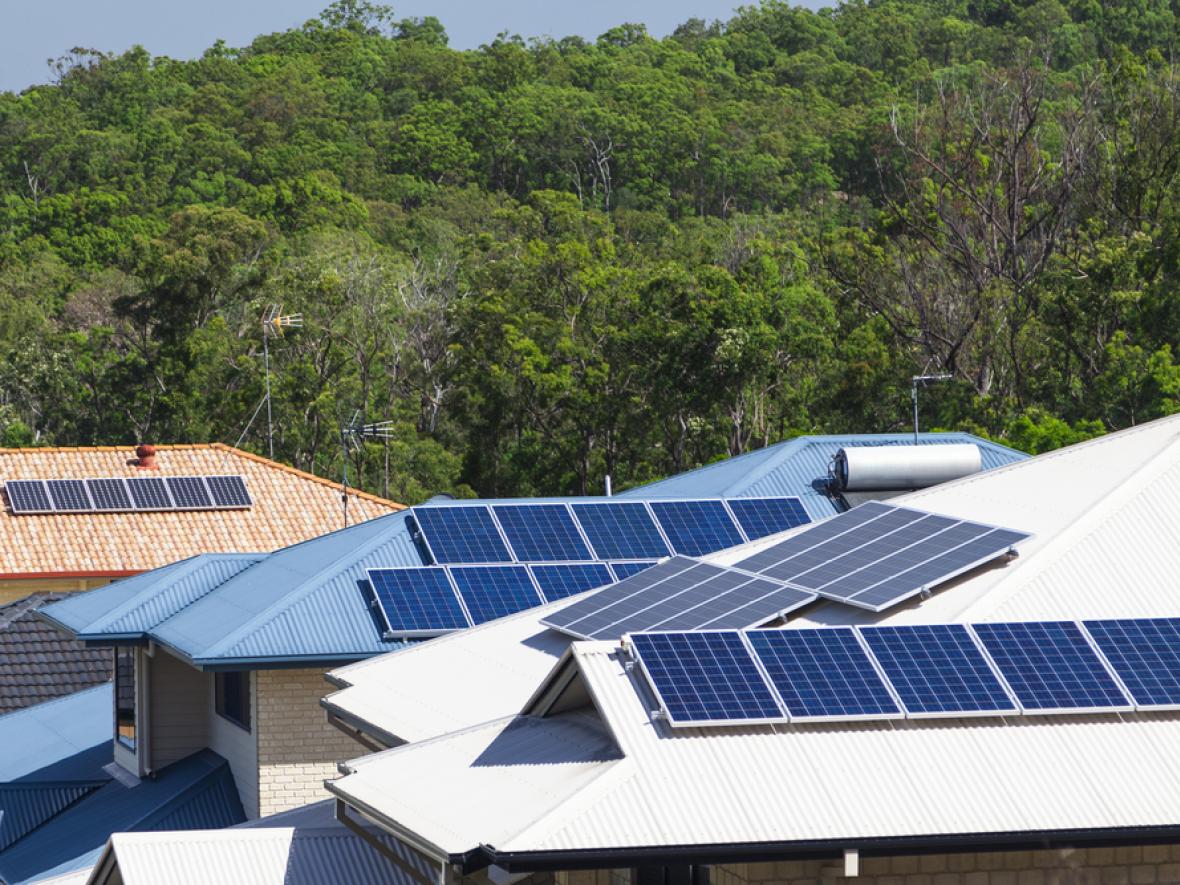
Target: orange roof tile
289 506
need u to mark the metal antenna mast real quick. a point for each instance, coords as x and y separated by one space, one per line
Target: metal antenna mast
922 380
352 436
273 323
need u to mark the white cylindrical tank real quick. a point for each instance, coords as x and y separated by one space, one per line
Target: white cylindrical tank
869 468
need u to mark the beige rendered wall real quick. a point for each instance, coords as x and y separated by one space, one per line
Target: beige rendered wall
238 746
12 590
297 748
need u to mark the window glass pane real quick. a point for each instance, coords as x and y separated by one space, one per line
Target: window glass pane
125 696
233 697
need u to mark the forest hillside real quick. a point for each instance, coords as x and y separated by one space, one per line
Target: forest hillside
548 260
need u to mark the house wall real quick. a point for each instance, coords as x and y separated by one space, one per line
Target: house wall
238 746
297 748
13 589
1140 865
178 721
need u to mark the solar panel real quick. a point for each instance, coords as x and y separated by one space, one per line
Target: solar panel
624 570
1145 654
69 495
678 594
541 532
149 493
493 591
696 527
562 579
620 530
417 601
705 678
878 555
189 492
461 534
28 496
760 517
109 494
937 669
823 674
229 491
1051 667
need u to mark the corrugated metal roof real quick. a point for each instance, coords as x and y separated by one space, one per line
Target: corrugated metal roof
1103 516
800 467
304 847
67 739
197 791
26 806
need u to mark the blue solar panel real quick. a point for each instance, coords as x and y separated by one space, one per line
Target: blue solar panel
1146 656
417 601
823 674
696 527
189 492
564 579
229 491
1051 667
703 678
541 532
28 496
149 493
760 517
493 591
109 494
69 495
624 570
461 534
621 530
937 669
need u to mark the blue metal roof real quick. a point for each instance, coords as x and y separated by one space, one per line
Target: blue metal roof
197 792
68 739
800 467
26 806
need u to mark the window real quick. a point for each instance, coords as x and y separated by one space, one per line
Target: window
125 696
233 697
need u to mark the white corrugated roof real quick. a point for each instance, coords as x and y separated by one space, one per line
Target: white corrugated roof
1103 516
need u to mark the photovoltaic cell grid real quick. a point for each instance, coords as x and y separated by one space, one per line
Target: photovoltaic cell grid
878 555
1050 666
119 494
705 678
562 579
695 528
494 591
678 594
937 669
624 570
761 517
417 601
839 673
541 532
461 534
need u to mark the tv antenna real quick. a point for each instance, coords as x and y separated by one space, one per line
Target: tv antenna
352 437
273 323
921 381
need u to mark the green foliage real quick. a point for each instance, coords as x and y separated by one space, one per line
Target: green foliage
547 260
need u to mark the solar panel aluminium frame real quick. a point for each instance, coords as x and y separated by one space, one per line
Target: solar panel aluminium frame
216 506
23 512
925 588
1126 689
650 683
122 481
533 504
1129 707
370 590
85 490
176 505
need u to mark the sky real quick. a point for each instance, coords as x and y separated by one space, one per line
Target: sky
42 29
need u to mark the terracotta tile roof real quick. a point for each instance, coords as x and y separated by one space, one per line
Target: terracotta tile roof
289 506
38 662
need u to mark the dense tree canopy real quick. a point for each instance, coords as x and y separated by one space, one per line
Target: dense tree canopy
549 260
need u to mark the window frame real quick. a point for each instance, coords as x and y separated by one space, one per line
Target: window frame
125 656
222 694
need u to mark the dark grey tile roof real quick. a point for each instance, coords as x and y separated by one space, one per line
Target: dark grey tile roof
39 662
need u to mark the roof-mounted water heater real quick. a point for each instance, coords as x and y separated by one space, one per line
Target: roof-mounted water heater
871 468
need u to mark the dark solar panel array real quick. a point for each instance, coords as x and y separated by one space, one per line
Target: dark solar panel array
916 671
127 494
603 530
879 555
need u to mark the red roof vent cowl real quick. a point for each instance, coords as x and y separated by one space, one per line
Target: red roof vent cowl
145 457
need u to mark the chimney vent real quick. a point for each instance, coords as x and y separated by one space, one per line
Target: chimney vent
145 454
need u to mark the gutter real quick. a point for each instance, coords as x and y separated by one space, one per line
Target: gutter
819 849
40 576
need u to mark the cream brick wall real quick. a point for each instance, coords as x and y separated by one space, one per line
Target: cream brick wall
297 748
1144 865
